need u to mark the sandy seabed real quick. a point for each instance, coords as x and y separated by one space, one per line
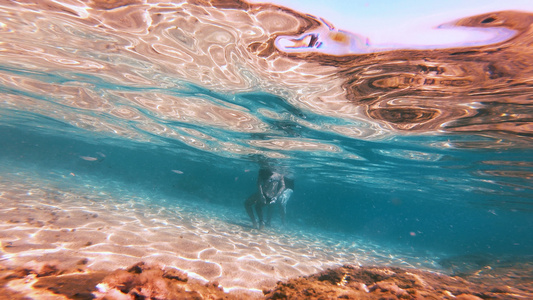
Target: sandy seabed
75 220
82 231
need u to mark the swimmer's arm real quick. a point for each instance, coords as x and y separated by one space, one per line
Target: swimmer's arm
281 188
261 191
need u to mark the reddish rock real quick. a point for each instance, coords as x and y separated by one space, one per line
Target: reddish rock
352 282
145 281
467 297
176 275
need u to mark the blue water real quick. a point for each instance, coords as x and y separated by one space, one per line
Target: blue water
76 99
446 203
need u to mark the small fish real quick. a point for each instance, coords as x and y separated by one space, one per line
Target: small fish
177 171
101 154
89 158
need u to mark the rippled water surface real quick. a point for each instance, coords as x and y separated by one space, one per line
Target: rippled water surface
426 148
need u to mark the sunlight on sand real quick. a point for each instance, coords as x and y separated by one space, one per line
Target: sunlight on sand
112 227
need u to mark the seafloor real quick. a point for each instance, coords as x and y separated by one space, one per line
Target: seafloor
72 236
143 281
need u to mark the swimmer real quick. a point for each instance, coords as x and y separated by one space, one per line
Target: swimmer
270 186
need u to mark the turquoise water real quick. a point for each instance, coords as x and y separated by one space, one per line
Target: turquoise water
153 108
399 185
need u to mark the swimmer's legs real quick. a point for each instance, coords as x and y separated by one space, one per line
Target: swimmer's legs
284 198
270 212
259 212
248 205
282 212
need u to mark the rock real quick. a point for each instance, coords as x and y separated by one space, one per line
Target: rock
467 297
352 282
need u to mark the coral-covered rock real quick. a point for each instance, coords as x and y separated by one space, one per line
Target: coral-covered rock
352 282
144 281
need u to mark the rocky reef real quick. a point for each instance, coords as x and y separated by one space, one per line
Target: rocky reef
352 282
146 281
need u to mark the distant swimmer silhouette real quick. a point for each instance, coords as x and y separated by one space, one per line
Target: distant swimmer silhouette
271 189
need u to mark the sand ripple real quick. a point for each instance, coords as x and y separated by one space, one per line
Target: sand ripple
41 223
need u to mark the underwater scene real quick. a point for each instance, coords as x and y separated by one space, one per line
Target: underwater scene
231 149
